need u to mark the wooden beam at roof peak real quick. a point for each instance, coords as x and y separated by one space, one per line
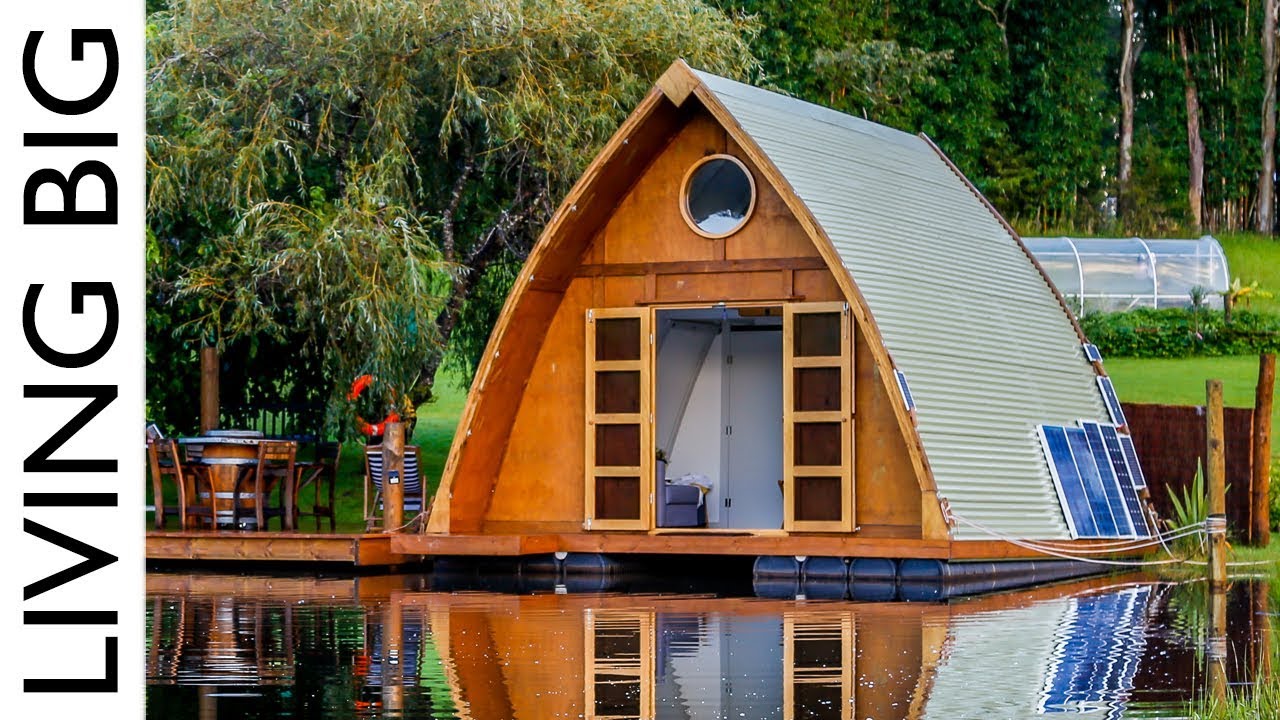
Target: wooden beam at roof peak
678 82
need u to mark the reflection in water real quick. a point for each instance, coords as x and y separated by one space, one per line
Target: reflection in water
236 647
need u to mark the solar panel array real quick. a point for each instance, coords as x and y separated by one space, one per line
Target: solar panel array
1095 481
906 391
1112 400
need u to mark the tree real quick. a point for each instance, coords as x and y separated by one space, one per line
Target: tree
1131 50
1267 177
343 182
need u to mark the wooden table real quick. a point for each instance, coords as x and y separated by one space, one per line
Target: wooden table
227 454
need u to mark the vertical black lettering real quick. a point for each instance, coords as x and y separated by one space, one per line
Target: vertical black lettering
79 290
100 397
79 38
69 215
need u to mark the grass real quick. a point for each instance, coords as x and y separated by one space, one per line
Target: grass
1181 381
1255 257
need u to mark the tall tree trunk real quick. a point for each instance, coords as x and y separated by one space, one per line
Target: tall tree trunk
1267 178
1128 60
1195 145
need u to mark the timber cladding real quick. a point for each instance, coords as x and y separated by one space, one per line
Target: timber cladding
645 254
1170 440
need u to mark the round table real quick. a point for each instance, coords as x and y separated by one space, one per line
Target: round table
226 454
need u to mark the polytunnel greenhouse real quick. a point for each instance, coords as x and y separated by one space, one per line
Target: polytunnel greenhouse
1124 273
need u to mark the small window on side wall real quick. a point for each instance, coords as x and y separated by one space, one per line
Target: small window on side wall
718 196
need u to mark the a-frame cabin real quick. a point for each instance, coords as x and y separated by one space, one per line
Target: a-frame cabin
837 344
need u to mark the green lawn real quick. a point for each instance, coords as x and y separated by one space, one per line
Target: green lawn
1255 257
1181 381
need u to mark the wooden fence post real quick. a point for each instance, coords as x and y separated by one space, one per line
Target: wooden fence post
1260 532
393 477
208 388
1215 474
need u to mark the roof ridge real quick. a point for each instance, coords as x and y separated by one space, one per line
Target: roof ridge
724 86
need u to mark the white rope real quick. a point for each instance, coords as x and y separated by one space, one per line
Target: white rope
1056 552
1092 549
1204 529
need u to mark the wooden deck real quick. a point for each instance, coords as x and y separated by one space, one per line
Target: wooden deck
386 550
357 550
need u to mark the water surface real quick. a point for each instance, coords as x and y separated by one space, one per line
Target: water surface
222 646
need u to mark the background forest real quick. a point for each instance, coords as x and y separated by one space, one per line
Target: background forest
349 186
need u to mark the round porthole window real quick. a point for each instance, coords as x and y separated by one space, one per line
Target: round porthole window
718 196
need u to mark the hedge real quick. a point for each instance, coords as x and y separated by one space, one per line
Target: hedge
1181 332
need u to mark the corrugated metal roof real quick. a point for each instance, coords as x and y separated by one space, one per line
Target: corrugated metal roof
985 346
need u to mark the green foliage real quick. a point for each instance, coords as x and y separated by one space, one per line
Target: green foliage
878 78
1181 332
348 183
1190 507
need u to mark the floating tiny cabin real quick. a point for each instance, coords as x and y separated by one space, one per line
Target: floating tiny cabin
758 326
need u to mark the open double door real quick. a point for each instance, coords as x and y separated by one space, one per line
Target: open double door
817 422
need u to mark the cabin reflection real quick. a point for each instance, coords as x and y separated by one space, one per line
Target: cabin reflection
1099 647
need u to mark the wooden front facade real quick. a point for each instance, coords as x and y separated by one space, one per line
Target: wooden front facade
558 433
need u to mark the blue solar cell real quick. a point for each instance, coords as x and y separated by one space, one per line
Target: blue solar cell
1071 492
1131 457
1091 352
1107 473
1109 516
1132 503
906 391
1112 401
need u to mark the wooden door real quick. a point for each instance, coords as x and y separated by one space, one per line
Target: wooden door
817 417
619 378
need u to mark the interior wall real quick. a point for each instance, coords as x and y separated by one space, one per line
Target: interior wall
697 445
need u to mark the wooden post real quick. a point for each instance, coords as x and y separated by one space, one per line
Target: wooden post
393 654
393 479
208 388
1215 474
1260 532
1215 654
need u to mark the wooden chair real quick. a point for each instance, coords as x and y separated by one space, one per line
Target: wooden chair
415 491
318 475
162 456
276 463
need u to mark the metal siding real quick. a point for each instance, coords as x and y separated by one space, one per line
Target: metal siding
987 349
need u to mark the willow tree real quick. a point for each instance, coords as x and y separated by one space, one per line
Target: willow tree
351 182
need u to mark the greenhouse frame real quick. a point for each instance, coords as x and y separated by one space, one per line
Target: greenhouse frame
1116 274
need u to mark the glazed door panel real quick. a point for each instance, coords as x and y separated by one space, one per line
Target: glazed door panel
817 425
619 427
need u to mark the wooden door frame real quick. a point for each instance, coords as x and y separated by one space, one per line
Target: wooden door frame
645 365
844 416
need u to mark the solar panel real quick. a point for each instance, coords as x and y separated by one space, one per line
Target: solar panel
1131 457
1112 401
1108 509
1110 481
906 391
1085 503
1120 466
1091 352
1066 479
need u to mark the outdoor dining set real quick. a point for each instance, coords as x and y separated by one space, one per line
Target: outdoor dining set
228 479
240 479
